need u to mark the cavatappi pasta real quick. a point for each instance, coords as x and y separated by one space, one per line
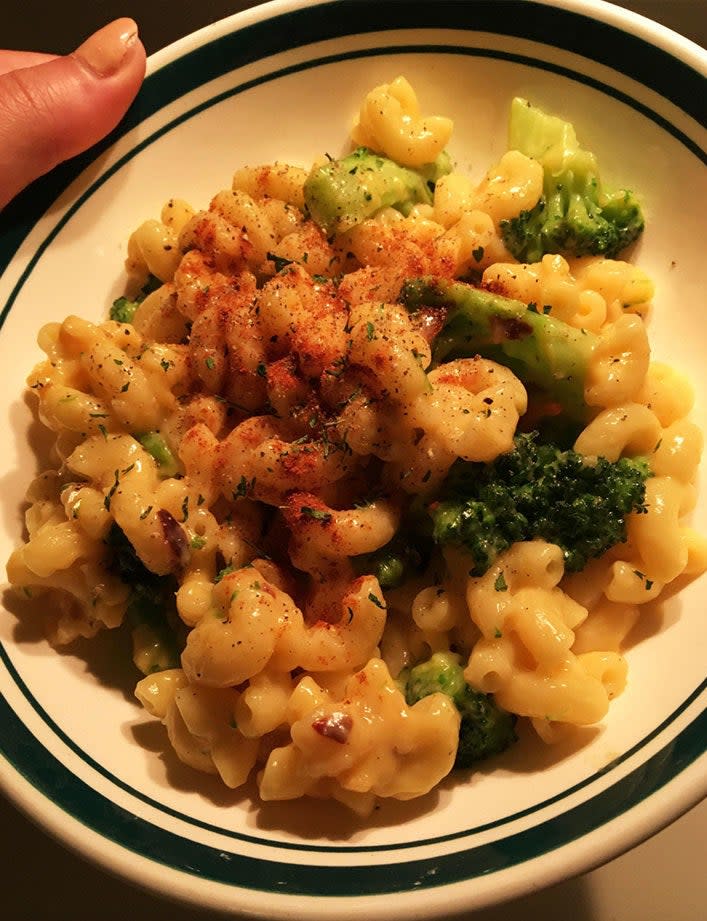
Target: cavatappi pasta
297 417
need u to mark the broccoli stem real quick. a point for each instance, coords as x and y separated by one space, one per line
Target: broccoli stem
155 444
158 634
343 193
542 351
156 643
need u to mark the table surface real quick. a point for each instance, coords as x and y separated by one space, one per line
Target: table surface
663 879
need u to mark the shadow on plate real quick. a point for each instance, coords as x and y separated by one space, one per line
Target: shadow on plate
107 657
26 430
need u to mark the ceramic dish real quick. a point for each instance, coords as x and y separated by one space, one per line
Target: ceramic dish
283 81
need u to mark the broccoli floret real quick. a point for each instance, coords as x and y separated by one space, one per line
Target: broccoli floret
158 634
575 215
485 728
123 308
406 554
539 491
343 193
542 351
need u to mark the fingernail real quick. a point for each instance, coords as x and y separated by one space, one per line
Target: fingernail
105 50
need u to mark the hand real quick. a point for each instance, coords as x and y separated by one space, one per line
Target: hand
52 108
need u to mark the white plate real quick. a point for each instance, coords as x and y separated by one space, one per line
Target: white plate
283 81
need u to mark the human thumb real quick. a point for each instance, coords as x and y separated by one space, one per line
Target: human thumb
53 110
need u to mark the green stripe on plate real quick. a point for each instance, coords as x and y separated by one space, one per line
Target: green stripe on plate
569 31
308 65
114 823
26 768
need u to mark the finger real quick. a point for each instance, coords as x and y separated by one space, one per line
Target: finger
58 108
15 60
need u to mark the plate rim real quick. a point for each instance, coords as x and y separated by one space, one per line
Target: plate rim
241 21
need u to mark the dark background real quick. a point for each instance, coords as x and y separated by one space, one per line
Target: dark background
40 881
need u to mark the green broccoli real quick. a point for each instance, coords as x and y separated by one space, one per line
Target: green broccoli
394 563
538 491
343 193
158 634
123 308
155 444
544 352
575 215
485 728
